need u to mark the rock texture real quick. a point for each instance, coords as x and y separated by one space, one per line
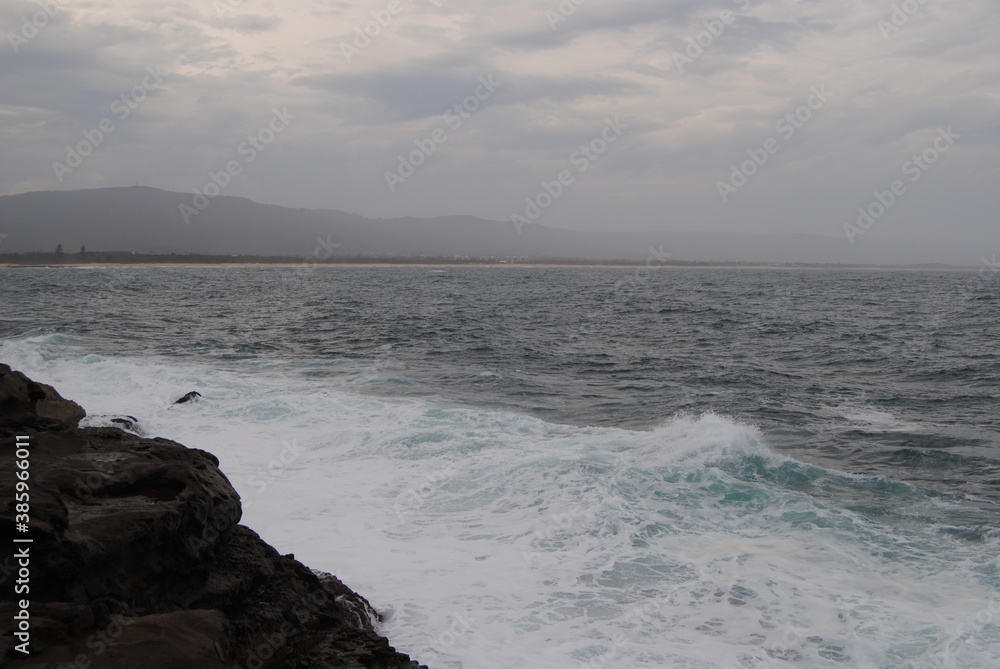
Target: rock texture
138 559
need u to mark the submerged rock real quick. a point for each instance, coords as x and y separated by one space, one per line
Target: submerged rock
138 558
190 397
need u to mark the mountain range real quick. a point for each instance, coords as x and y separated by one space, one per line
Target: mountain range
149 220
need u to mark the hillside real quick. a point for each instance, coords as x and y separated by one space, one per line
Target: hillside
148 220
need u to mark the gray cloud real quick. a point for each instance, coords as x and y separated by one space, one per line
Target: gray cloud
686 130
251 23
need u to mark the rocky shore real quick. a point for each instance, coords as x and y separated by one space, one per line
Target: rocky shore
137 558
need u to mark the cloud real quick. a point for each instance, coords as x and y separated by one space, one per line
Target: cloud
251 23
417 93
686 128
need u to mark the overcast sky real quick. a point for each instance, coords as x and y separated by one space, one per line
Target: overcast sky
668 96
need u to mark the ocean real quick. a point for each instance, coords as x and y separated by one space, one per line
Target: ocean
579 467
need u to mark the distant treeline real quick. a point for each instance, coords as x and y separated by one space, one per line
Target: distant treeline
49 258
128 257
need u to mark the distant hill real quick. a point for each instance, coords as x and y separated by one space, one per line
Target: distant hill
148 220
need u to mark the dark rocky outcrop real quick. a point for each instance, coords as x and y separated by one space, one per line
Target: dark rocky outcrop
189 397
26 404
138 559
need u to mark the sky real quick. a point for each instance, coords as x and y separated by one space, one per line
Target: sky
748 115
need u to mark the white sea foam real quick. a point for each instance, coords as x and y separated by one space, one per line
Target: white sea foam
869 419
497 539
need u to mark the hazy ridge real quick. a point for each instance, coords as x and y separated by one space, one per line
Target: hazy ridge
149 220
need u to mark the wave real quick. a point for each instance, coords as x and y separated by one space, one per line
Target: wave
497 539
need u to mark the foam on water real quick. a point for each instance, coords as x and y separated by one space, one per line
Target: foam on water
869 419
496 539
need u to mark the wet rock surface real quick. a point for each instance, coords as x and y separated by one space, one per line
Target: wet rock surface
189 397
137 558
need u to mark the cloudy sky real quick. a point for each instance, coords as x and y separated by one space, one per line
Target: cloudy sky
642 107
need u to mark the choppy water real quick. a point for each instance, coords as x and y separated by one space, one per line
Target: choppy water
580 467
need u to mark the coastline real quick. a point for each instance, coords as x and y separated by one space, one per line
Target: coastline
545 265
132 554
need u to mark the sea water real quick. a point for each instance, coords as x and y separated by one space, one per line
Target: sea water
530 467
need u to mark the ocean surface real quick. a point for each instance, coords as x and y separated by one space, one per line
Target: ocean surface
579 467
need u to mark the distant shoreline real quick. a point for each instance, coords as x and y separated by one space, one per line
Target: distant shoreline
541 264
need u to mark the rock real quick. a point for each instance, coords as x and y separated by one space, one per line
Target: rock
138 558
25 402
190 397
127 423
163 640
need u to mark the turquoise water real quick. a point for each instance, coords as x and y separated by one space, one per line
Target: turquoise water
496 526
